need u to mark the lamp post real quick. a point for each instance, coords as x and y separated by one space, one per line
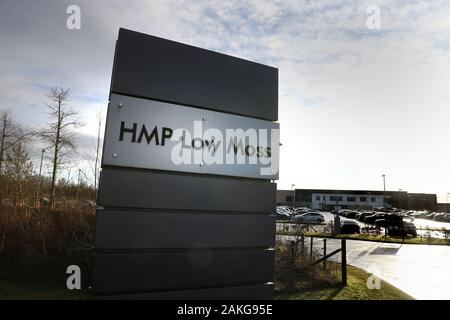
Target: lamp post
384 205
337 219
293 194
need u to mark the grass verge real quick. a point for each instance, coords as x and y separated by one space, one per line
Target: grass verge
356 289
375 238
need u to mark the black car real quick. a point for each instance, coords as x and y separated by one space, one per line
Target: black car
349 226
371 218
397 229
351 214
363 214
388 219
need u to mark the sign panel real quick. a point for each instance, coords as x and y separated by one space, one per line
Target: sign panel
150 134
215 124
159 69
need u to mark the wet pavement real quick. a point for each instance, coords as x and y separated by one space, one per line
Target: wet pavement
422 271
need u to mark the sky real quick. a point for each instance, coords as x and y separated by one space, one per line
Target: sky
361 92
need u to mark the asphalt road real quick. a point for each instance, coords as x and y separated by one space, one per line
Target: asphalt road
421 271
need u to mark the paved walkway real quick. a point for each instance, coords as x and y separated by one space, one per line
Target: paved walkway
422 271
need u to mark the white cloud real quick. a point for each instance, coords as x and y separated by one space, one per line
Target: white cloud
354 103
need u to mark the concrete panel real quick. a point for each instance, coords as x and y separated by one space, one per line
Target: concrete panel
150 230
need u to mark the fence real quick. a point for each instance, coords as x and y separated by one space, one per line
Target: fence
306 255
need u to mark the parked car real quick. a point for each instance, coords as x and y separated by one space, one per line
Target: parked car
370 219
283 213
343 212
388 219
311 216
362 215
398 229
430 216
349 213
420 214
352 214
442 217
301 210
350 226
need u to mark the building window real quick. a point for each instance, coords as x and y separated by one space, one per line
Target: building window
351 199
363 199
333 198
318 198
373 199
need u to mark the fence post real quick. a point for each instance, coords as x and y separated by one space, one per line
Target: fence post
324 253
344 262
311 247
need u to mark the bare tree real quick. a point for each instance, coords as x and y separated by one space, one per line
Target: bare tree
18 168
61 135
92 156
11 133
97 150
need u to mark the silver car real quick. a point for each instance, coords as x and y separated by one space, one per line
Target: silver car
312 217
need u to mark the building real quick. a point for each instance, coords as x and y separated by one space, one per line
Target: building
285 197
357 199
443 207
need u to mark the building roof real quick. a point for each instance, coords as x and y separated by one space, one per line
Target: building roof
363 192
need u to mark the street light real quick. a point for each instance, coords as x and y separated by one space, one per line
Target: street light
384 204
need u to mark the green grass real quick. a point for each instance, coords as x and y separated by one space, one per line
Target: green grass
371 237
12 289
356 289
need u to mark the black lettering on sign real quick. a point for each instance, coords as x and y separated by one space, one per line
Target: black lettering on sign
166 134
127 130
149 137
